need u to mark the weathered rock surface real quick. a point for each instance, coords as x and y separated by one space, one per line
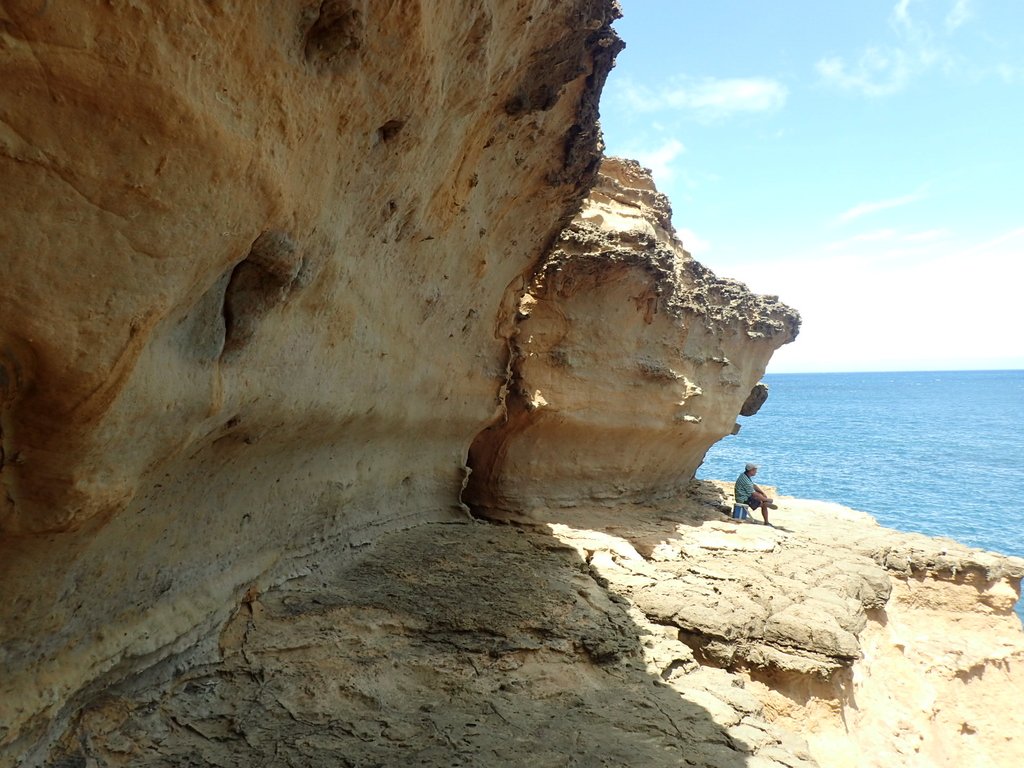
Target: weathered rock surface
446 645
880 648
659 636
256 265
273 279
940 663
629 361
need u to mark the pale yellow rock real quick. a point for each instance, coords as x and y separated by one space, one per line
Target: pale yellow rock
629 361
258 263
941 660
936 687
735 542
277 298
880 648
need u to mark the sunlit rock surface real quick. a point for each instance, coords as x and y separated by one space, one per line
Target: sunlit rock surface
630 360
283 286
659 635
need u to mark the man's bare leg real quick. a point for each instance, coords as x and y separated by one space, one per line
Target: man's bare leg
764 504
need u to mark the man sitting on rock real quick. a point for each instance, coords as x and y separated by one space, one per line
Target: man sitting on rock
752 495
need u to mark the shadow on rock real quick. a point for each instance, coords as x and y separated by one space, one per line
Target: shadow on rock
475 644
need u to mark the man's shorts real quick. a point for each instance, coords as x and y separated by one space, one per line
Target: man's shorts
752 503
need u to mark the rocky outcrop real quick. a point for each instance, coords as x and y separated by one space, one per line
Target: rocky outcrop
938 662
620 635
444 645
285 286
258 263
629 360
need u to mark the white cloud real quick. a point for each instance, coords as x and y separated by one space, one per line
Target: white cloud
901 13
876 73
958 15
709 98
1009 73
926 235
693 243
885 70
875 236
863 209
1000 240
659 160
919 311
894 241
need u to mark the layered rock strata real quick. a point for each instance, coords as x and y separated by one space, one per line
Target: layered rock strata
878 648
630 360
282 288
939 664
257 264
444 645
659 635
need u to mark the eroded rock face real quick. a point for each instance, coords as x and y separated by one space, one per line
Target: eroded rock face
472 644
879 647
601 634
256 263
938 662
629 361
263 273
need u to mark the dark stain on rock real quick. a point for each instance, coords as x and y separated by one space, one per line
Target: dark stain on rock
69 760
547 73
5 383
13 385
390 130
583 142
199 335
15 358
552 68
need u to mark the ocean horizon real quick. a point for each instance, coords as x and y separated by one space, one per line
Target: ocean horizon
932 452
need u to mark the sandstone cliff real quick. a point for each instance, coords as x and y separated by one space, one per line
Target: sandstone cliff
258 265
630 360
287 289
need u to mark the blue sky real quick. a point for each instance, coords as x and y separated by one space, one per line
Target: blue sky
864 161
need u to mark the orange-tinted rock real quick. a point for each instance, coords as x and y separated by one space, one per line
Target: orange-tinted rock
252 260
630 360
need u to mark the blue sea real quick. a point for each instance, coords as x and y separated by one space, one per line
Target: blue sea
938 453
